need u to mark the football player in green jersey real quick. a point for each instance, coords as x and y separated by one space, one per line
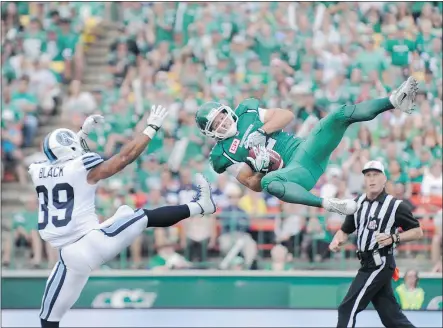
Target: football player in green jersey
305 160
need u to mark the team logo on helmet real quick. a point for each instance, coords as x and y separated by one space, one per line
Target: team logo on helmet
65 138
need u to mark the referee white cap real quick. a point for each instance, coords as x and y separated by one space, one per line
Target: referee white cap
373 166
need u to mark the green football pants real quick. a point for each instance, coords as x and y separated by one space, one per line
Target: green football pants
311 157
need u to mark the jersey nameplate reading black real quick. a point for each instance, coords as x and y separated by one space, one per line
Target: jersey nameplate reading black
51 172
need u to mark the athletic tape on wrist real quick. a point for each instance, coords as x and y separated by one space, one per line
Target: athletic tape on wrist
262 131
81 134
150 132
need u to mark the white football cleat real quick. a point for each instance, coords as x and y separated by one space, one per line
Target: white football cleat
403 98
203 197
340 206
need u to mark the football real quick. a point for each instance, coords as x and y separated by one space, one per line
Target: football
276 162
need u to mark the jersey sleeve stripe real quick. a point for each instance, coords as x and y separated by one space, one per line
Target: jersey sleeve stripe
90 156
86 163
231 159
91 164
91 160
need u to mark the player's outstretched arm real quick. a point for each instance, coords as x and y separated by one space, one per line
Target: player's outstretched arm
276 119
247 177
273 120
131 150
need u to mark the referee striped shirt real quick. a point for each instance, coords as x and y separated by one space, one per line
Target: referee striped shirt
384 214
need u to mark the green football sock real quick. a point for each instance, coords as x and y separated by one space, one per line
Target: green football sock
368 110
291 192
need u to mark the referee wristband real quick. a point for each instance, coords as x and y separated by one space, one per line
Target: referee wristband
395 238
150 131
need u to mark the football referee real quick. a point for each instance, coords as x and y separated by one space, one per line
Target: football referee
376 222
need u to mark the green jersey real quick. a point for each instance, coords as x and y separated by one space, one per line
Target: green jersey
232 150
400 51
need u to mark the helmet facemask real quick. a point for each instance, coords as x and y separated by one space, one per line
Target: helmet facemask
221 132
84 145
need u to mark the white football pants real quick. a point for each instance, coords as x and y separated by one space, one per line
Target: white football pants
78 259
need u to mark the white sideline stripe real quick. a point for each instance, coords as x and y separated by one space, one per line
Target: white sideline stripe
209 318
199 273
363 291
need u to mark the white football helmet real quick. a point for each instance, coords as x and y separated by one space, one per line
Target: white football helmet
62 144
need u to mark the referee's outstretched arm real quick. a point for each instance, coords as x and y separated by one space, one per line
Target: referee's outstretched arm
341 236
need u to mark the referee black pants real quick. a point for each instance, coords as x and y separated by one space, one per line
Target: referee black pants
373 284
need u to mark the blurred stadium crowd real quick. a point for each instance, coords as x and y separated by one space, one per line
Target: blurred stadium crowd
307 57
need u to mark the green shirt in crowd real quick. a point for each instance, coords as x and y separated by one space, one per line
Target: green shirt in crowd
400 51
28 220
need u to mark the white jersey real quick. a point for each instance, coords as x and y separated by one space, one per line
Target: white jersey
67 200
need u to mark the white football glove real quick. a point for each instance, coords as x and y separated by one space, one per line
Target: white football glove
255 139
90 124
155 120
261 161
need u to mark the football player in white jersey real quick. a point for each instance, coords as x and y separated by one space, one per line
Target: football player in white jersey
66 185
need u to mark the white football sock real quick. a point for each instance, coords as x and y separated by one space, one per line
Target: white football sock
194 208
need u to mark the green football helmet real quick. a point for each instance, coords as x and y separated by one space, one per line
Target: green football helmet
226 125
